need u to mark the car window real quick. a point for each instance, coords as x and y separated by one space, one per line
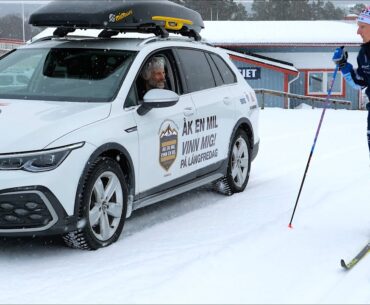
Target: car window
22 79
196 70
157 63
6 80
18 74
153 75
216 74
64 74
132 98
227 74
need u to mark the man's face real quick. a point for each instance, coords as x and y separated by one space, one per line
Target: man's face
364 31
158 78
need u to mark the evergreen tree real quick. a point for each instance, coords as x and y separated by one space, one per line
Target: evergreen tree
323 10
281 10
296 10
11 26
299 10
330 12
357 9
216 9
316 9
263 10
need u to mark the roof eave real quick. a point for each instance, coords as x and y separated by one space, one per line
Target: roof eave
287 45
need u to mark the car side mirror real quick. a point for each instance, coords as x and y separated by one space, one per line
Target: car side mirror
157 98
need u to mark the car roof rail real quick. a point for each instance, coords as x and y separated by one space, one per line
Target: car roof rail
171 38
33 40
51 37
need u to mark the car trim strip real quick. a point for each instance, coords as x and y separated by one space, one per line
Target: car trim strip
182 189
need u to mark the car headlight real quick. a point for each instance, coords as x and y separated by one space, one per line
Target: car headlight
37 161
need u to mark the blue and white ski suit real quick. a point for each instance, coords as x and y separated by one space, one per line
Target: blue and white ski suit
361 77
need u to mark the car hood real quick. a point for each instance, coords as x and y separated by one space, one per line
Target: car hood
32 125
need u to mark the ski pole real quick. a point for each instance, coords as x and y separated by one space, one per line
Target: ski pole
314 142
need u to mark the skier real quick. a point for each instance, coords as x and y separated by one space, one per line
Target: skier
359 78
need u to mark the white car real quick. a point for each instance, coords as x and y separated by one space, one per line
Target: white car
13 79
80 149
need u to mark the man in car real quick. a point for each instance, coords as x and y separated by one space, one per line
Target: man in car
154 76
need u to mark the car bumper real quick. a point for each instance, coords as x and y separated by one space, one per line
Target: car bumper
33 210
42 203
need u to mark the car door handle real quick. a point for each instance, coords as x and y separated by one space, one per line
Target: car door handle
188 111
227 100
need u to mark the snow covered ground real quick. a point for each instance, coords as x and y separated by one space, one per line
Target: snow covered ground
202 247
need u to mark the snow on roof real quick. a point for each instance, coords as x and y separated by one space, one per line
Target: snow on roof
263 61
281 32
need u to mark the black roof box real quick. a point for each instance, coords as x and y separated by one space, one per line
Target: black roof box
113 16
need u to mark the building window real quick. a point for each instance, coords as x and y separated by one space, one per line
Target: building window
319 83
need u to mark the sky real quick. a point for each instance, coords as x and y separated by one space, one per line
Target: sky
202 247
15 7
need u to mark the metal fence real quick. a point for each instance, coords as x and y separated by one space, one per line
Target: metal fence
9 44
311 99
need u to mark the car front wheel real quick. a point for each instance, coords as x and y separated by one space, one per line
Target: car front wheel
103 205
239 164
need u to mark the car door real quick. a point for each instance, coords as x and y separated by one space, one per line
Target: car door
226 78
215 117
162 132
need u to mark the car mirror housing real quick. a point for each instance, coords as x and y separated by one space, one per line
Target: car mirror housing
157 98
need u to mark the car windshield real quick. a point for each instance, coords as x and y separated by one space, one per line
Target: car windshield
61 74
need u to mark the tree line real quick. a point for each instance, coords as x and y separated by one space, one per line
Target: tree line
11 26
269 9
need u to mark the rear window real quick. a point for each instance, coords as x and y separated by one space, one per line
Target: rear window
218 79
61 74
226 73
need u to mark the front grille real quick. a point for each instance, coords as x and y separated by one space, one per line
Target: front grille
24 210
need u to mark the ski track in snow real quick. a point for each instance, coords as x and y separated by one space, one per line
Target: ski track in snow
203 247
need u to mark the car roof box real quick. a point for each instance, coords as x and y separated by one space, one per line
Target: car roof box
113 17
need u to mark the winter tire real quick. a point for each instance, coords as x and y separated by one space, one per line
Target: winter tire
239 165
103 205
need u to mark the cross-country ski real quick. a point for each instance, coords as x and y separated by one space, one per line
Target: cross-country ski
356 259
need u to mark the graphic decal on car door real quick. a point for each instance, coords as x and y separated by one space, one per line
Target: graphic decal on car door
168 143
203 146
